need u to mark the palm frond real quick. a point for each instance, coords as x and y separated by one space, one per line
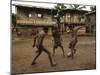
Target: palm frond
71 6
82 7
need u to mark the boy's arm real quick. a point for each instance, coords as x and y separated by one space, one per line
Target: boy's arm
79 28
35 40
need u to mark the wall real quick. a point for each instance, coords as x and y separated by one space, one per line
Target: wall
91 23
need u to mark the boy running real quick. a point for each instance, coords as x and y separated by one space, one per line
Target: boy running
57 40
73 41
38 42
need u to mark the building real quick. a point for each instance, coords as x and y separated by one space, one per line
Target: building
91 22
72 18
31 17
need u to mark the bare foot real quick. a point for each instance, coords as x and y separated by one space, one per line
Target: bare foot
53 65
33 63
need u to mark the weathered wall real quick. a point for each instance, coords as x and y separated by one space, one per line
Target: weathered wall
91 23
29 16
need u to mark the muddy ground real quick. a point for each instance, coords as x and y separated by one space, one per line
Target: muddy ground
23 54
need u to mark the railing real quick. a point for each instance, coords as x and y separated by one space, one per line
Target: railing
49 22
35 22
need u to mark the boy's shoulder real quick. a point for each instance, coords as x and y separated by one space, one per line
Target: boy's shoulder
41 33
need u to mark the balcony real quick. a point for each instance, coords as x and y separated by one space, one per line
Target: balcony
35 22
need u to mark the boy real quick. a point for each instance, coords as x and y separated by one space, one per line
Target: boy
73 41
57 40
38 42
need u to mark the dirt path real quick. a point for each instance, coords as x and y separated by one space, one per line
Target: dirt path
23 54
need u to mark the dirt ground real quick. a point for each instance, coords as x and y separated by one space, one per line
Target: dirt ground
23 54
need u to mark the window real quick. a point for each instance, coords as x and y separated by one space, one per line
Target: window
30 15
40 15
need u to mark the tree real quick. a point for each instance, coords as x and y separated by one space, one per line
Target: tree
13 20
76 6
93 8
59 7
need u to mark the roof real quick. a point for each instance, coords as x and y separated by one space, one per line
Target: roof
38 7
31 6
75 11
90 13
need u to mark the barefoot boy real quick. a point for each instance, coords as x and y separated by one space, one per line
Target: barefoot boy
57 40
73 41
38 42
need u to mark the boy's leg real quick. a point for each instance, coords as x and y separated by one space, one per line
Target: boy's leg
74 46
54 47
62 50
33 62
49 56
72 51
54 50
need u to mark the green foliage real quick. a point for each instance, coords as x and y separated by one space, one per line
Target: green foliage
76 6
13 19
93 8
59 7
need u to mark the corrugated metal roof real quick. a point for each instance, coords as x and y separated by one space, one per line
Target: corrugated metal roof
32 6
22 5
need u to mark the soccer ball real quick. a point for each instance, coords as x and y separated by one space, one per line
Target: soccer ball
69 54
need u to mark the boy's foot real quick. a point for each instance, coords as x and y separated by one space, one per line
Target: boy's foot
53 65
33 63
33 46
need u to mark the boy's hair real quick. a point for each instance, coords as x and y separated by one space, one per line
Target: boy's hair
45 29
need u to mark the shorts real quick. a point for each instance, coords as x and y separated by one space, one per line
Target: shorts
57 43
72 44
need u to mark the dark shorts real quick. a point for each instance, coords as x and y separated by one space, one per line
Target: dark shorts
57 43
40 48
72 44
